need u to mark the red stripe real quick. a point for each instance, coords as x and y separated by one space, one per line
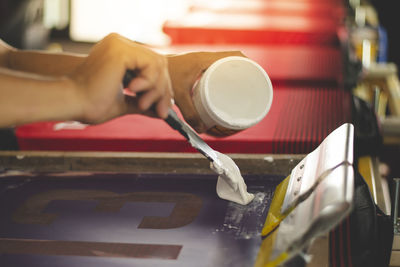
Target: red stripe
342 248
327 98
333 249
322 118
296 135
291 122
309 126
350 261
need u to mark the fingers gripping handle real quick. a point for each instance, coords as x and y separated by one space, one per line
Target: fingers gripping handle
129 76
172 118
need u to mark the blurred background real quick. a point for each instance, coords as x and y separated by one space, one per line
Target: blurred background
330 62
304 45
41 24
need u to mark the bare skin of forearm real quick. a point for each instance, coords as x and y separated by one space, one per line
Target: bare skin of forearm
38 86
39 62
44 63
35 98
33 83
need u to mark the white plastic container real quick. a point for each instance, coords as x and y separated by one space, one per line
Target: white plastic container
233 94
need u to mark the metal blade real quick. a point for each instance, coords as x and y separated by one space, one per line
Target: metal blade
195 140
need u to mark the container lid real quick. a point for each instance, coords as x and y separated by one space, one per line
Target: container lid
238 92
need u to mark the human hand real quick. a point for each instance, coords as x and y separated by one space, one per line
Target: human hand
98 81
184 70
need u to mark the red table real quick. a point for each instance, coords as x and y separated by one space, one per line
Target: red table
299 119
284 64
221 28
316 9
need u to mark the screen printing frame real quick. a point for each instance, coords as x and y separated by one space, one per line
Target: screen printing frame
141 162
20 162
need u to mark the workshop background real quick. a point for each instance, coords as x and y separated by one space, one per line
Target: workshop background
330 62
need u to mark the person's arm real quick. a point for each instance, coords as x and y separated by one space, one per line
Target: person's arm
5 50
28 98
44 63
91 91
39 62
184 69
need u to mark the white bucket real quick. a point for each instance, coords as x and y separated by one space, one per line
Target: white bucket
233 94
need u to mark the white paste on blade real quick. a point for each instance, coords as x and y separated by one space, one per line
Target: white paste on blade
230 184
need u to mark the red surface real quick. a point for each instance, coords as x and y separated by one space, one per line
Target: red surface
284 63
316 9
294 48
299 119
221 28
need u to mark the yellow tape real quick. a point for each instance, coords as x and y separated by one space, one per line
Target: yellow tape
265 250
263 258
274 216
273 220
281 258
365 168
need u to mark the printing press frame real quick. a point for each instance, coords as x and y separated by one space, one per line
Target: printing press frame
16 162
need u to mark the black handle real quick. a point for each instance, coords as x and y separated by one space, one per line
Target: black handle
172 118
176 123
129 75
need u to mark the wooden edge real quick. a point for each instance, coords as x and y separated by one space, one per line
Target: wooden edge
319 250
391 140
395 259
396 242
140 162
369 169
381 188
